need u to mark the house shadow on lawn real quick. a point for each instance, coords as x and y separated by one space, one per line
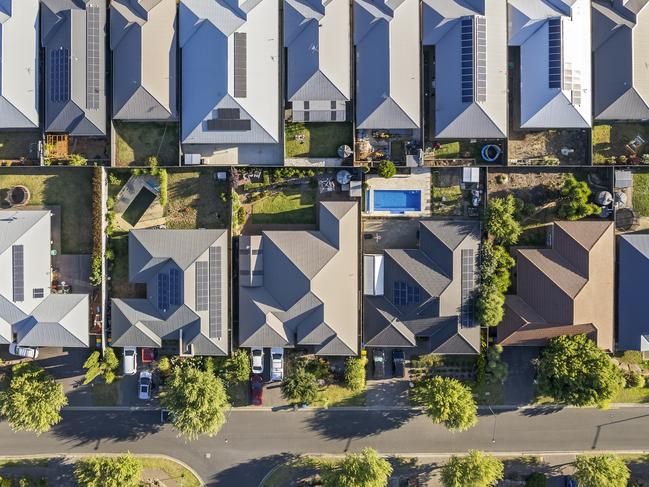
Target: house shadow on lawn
334 424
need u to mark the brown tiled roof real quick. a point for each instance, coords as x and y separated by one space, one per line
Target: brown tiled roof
537 335
558 269
586 235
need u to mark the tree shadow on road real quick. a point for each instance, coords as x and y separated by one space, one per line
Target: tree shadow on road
251 472
339 425
88 426
541 410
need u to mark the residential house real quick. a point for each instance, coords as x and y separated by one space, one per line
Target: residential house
19 65
143 42
552 41
31 314
187 298
621 59
566 289
230 81
299 288
469 65
317 38
632 305
387 40
423 298
73 34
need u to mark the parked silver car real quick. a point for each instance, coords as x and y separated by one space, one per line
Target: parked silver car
130 360
27 352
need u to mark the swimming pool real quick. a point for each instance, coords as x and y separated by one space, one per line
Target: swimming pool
395 201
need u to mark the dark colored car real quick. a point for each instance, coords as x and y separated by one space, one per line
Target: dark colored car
256 389
378 360
570 482
399 363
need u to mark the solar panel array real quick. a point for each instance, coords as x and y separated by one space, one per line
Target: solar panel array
468 284
93 66
215 328
405 294
554 80
174 287
38 292
240 65
60 75
18 272
481 58
202 286
163 291
467 59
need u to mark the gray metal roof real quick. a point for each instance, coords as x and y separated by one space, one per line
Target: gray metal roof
19 67
318 41
632 305
75 75
37 319
435 269
485 115
308 287
620 36
157 254
143 41
386 36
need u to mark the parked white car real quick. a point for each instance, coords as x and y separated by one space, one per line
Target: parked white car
27 352
144 385
130 360
257 358
276 364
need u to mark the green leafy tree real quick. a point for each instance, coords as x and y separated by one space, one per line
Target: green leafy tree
386 169
449 402
300 387
490 305
575 204
500 221
572 370
122 471
474 470
106 367
495 263
33 400
364 469
77 160
355 373
196 401
601 470
237 367
496 369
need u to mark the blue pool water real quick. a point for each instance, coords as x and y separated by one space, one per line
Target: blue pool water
396 201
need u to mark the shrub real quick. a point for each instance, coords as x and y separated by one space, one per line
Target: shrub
164 365
77 160
500 221
241 215
575 204
632 357
536 479
266 177
496 369
490 305
162 175
152 162
97 234
113 180
427 361
355 373
502 178
387 169
237 366
523 209
300 387
634 379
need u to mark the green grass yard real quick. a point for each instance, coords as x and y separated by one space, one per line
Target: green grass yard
641 193
632 395
136 141
285 207
321 139
338 395
69 188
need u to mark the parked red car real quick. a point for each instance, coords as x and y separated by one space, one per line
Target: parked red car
256 389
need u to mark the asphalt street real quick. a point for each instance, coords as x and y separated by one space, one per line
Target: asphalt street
252 442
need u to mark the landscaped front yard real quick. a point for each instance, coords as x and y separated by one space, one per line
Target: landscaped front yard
289 206
612 143
136 141
196 200
317 139
69 188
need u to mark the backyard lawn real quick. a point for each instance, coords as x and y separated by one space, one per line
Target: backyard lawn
320 139
611 140
120 287
285 207
69 188
641 193
135 142
14 145
196 200
447 201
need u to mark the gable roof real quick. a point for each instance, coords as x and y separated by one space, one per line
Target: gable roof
143 40
305 290
386 36
564 101
317 37
621 77
633 307
474 115
19 67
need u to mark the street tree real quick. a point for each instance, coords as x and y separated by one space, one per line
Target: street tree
300 387
196 401
364 469
122 471
355 373
107 366
573 370
448 401
474 470
599 470
500 221
33 400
